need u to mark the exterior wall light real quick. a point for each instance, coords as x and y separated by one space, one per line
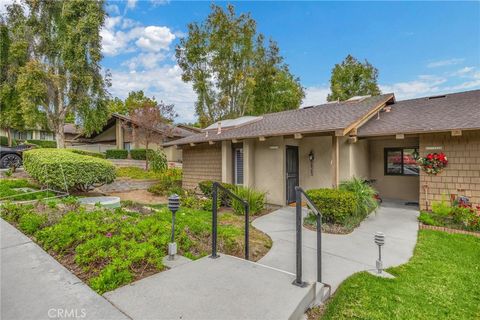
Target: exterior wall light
173 206
311 157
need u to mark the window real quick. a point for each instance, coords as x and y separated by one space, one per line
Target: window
401 162
127 146
44 135
238 165
22 135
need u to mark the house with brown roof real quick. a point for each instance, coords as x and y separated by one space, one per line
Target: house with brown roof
375 138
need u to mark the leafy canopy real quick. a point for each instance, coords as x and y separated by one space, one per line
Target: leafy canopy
353 78
232 72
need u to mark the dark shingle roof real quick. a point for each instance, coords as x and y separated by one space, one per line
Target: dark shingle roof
454 111
321 118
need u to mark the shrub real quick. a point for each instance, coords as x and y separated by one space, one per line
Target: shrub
88 153
43 143
206 187
365 194
426 218
336 206
442 208
62 169
467 216
4 141
31 222
255 199
138 154
117 154
157 160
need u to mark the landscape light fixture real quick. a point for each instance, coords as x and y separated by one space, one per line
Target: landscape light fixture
173 206
379 239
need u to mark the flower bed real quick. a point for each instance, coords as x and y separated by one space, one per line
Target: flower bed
457 216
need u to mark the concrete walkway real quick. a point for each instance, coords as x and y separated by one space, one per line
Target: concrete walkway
35 286
342 255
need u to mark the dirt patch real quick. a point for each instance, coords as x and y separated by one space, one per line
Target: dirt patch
140 196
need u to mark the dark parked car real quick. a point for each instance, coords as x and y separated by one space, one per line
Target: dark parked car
11 156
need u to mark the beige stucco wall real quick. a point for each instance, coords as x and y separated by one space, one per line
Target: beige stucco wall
107 135
173 153
461 176
322 171
392 187
201 162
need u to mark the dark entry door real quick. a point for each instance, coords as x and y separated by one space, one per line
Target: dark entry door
292 172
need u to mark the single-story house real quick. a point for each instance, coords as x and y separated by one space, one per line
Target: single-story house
376 138
71 130
117 133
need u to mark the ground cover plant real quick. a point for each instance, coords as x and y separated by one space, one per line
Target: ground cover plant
109 248
440 282
61 169
8 190
460 216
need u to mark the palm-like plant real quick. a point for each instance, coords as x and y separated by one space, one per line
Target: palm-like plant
365 195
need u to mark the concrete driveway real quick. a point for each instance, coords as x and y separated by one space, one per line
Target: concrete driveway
343 255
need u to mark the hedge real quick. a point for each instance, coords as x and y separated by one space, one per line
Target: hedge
56 168
43 143
88 153
4 141
117 154
138 154
336 206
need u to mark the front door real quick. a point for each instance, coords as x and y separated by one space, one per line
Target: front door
292 172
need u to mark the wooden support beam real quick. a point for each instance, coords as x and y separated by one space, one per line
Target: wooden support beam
192 144
399 136
456 133
335 162
262 138
298 136
339 133
234 140
353 132
352 139
211 142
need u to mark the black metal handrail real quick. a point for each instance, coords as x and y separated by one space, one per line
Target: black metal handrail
298 198
246 207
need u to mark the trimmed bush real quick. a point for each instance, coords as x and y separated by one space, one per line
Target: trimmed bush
88 153
157 160
138 154
117 154
255 199
336 206
43 143
4 141
56 168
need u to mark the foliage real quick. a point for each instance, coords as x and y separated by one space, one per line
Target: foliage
467 216
138 154
442 208
366 201
4 140
353 78
433 163
62 169
442 264
255 199
116 154
116 105
88 153
337 206
232 72
206 187
170 182
31 222
43 143
158 160
462 217
62 75
8 186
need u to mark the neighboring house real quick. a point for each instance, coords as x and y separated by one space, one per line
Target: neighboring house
117 134
71 131
369 137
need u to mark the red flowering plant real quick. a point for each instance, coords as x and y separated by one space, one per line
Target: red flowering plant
433 163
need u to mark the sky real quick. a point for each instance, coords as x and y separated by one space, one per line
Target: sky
419 48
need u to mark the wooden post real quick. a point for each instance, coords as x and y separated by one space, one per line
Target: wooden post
335 162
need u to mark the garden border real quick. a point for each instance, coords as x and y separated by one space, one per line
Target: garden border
448 230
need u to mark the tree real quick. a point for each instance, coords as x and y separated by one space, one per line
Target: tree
151 122
63 74
353 78
116 105
224 58
135 99
13 55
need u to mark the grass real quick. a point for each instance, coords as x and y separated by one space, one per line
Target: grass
111 248
441 281
8 186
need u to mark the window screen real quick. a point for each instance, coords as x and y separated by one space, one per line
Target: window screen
238 170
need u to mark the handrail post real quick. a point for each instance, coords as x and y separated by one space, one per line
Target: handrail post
214 220
319 248
298 217
247 227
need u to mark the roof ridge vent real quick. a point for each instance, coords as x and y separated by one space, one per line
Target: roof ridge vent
437 97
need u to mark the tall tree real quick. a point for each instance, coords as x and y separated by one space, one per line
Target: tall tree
224 58
63 74
353 78
14 41
135 100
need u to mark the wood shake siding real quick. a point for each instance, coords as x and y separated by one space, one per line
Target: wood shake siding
203 162
461 176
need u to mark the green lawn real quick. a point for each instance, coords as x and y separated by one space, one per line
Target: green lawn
8 192
441 281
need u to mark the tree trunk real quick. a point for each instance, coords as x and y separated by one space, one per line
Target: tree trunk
146 156
9 137
60 136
